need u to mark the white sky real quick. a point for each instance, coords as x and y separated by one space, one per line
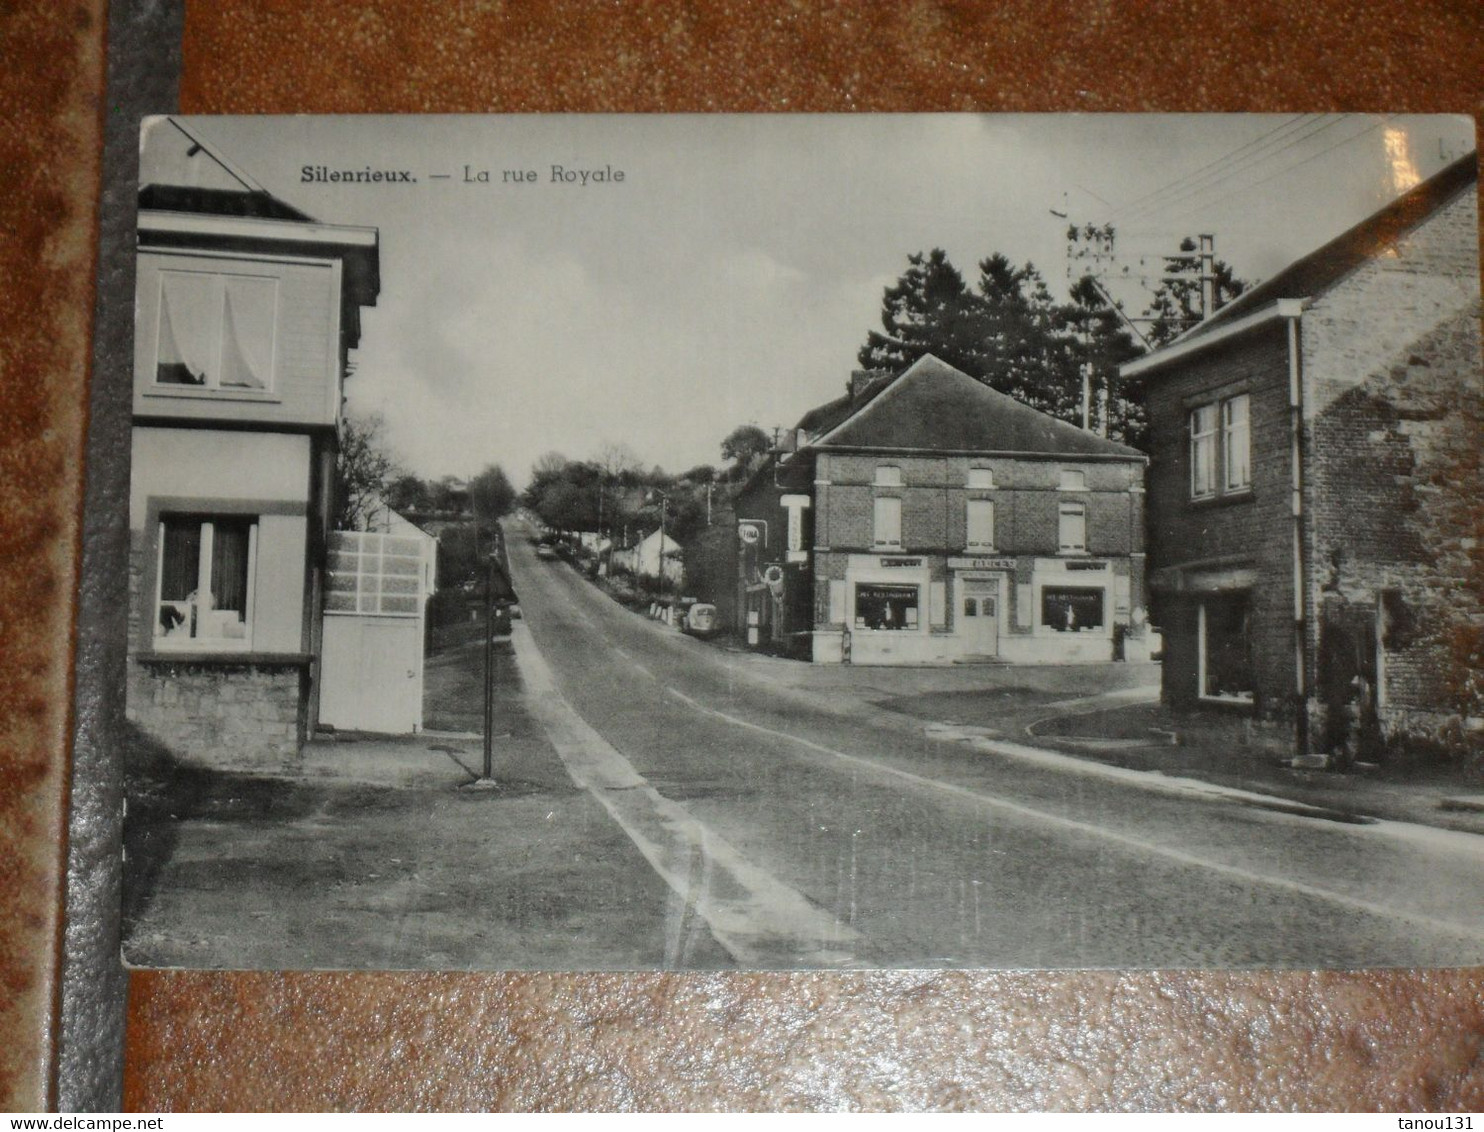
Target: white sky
733 274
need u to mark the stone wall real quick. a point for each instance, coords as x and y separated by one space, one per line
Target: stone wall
231 715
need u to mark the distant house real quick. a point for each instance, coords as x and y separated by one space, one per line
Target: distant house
927 518
654 556
246 311
1314 487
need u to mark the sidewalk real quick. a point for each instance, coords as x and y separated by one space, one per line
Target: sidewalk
372 853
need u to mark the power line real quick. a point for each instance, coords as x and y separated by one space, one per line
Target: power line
1178 182
1290 168
1219 179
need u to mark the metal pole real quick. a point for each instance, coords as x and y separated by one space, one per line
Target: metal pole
489 667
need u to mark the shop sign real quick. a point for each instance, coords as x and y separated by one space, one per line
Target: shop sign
903 562
981 563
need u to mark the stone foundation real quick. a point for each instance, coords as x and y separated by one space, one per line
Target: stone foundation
229 714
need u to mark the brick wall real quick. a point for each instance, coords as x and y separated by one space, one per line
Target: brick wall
1254 528
1025 495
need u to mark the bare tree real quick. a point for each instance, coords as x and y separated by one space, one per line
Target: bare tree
364 467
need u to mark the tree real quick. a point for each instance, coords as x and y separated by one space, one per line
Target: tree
929 310
744 449
1176 305
1017 321
364 467
1094 335
491 495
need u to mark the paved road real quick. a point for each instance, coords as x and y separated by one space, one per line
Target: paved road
795 827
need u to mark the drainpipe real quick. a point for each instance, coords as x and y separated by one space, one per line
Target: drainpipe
1291 310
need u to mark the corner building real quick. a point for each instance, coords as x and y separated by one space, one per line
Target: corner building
1315 557
928 518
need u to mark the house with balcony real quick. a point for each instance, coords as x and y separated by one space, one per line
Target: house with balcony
926 518
246 310
1314 554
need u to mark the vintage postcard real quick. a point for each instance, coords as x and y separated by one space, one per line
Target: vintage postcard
806 542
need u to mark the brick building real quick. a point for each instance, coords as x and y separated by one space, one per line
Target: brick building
927 518
245 312
1314 486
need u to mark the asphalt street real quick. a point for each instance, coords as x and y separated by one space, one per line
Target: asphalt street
792 825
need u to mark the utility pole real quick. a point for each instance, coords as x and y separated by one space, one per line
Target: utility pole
1208 275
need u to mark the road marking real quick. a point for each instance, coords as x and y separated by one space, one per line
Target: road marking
1088 829
760 920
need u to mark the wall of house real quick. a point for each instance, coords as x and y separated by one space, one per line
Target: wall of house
1024 561
174 694
305 380
1207 544
239 715
1392 386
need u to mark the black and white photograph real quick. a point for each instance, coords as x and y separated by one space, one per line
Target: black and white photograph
807 542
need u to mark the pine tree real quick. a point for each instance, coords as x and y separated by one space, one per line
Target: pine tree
1176 305
929 310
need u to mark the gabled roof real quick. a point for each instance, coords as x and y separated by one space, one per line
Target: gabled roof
932 407
1326 266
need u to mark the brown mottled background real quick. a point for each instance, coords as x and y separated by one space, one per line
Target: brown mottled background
1399 1040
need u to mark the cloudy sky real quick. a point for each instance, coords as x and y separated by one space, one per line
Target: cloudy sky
732 274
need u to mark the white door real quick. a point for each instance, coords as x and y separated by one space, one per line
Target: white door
371 674
979 606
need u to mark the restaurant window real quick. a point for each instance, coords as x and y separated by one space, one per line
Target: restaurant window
981 478
888 521
980 522
1073 479
1072 528
884 606
1070 610
888 475
206 566
216 331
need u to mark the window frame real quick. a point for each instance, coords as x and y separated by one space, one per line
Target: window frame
1204 440
205 565
1051 590
916 626
220 281
984 506
894 502
1230 430
1063 510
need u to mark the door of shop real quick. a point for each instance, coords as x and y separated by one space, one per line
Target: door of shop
980 607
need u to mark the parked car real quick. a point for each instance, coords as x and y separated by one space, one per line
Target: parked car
546 551
702 620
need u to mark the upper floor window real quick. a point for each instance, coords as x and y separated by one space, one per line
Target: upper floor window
1203 451
216 331
1072 528
981 478
980 524
888 521
1073 479
1221 447
205 573
1236 442
888 475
